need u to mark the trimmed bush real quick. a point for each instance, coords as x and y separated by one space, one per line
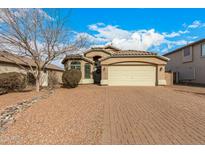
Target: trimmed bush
71 78
13 81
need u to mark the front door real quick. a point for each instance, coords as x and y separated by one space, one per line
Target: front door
97 70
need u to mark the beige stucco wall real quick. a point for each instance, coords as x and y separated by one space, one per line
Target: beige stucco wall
7 67
157 62
161 75
191 70
104 73
57 74
83 79
169 78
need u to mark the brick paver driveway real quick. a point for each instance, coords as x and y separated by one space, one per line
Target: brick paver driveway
113 115
154 115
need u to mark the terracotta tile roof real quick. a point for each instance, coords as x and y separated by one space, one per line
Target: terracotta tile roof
76 57
11 58
107 47
133 53
114 52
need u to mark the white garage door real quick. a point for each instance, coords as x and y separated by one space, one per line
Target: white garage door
132 75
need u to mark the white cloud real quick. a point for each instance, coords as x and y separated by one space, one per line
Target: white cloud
192 37
144 39
196 24
109 32
183 32
91 38
141 39
175 34
171 35
178 42
95 26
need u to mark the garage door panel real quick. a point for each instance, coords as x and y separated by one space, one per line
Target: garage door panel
132 75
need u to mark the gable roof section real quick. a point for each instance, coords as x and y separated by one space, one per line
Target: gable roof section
190 44
109 49
96 50
7 57
76 57
135 53
114 52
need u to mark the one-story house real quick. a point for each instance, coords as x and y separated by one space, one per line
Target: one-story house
13 63
111 66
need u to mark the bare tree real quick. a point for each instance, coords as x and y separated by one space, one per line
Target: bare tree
34 34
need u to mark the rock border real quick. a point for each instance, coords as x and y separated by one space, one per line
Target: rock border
7 116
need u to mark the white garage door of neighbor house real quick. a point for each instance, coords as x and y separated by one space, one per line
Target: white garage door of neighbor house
132 75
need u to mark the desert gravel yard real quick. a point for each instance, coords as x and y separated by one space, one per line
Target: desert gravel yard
93 114
13 97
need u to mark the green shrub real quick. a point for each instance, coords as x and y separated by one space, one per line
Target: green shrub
13 81
71 78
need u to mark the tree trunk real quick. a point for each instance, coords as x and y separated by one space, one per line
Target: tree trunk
38 80
37 84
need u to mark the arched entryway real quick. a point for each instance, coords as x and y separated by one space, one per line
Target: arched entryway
97 70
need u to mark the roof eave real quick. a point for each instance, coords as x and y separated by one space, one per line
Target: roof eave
126 56
60 70
77 58
93 50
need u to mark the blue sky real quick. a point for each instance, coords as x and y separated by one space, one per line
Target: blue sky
158 30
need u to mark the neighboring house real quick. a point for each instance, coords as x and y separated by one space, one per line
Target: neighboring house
188 62
13 63
110 66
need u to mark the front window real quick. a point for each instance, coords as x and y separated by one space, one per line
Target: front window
87 71
75 65
203 50
187 51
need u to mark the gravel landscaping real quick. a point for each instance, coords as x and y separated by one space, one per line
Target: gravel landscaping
67 117
7 116
12 98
